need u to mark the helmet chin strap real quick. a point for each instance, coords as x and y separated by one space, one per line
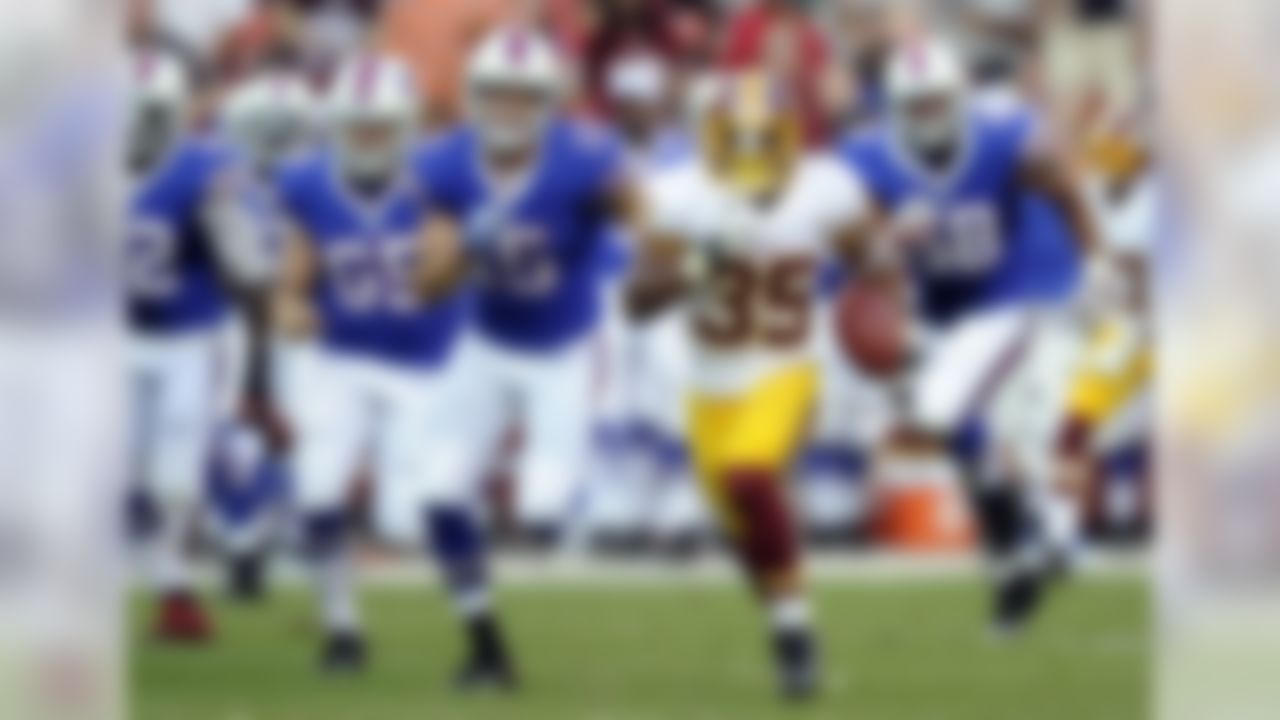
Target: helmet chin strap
368 177
935 150
510 154
936 144
940 153
507 141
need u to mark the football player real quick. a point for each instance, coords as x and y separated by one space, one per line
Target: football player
950 176
524 200
375 381
270 118
644 490
194 249
742 233
1109 395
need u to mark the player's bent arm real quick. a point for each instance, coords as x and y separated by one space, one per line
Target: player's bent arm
873 246
239 238
247 268
864 245
661 275
1050 173
443 263
626 204
867 239
293 315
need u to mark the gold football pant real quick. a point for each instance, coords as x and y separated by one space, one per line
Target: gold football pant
743 447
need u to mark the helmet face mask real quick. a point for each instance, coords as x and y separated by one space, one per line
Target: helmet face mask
928 99
510 117
161 101
373 110
270 117
751 140
514 88
154 129
276 138
930 124
371 147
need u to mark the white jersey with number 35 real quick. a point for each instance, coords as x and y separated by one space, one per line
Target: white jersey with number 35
755 312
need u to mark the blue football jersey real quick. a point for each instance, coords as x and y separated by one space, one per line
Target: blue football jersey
367 249
988 250
172 270
541 277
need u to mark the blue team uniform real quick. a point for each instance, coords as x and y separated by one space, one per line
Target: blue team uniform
367 251
174 282
541 276
993 246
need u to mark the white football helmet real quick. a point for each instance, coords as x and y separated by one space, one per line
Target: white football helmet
373 110
640 79
162 97
270 115
928 92
515 84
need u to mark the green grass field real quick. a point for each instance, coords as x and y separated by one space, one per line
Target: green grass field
894 650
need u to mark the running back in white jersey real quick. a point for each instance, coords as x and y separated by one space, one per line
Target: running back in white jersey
757 312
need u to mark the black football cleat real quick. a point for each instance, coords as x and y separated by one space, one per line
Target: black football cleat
488 666
796 655
344 653
1017 600
478 676
246 578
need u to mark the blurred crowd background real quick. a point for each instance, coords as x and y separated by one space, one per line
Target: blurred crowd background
1081 55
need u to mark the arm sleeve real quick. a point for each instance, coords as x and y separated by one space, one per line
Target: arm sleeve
234 216
1029 136
432 168
288 194
846 198
856 158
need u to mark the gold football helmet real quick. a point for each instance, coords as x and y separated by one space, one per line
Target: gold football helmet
751 135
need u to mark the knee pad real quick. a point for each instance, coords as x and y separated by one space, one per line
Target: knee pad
546 493
968 446
458 541
454 532
324 533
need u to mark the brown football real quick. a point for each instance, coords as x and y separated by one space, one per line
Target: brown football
873 327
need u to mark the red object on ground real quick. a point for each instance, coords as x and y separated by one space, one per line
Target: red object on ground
182 619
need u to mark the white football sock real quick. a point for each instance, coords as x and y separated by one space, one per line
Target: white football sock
473 602
1061 520
164 554
335 589
789 612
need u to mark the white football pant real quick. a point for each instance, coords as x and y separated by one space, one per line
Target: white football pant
176 383
548 397
352 413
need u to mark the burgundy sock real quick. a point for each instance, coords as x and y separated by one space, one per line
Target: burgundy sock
767 536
